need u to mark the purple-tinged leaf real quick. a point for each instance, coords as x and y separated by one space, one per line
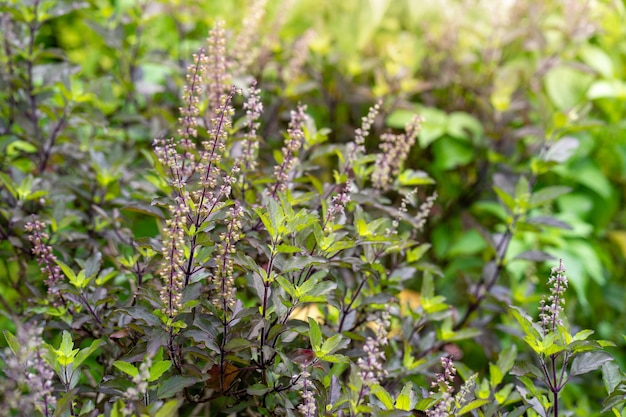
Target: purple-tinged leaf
532 399
612 375
549 221
562 149
535 256
548 194
335 390
172 386
589 361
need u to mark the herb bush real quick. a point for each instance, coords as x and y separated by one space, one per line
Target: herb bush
227 253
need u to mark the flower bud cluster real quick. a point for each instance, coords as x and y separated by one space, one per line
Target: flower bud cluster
448 404
464 395
337 206
171 270
424 212
168 156
195 168
179 156
552 307
26 385
45 257
244 50
402 210
224 279
216 68
420 218
254 109
357 148
300 54
395 149
308 407
295 134
192 91
215 147
371 365
443 382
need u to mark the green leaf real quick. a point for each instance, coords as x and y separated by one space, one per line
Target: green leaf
464 126
582 335
532 396
266 222
306 287
548 194
451 153
566 86
12 341
526 323
282 248
335 358
315 335
472 405
92 265
331 343
361 227
409 177
66 352
84 353
298 263
339 246
69 273
385 398
25 189
506 199
173 385
286 285
607 89
428 285
257 389
506 360
20 146
495 375
460 335
127 368
502 395
399 118
64 403
425 403
237 344
589 361
169 409
434 126
407 399
598 59
159 368
115 411
589 174
9 184
322 288
87 408
525 368
482 390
